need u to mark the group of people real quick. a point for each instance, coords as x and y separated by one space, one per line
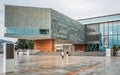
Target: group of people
67 54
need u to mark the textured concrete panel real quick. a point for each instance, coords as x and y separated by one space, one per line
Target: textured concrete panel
66 28
27 17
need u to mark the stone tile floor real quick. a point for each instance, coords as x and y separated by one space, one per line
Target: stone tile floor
74 65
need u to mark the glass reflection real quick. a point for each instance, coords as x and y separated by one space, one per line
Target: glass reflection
106 28
10 30
118 39
110 41
24 31
110 28
115 28
102 29
19 30
115 40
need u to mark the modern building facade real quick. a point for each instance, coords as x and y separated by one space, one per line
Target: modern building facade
48 27
101 32
43 25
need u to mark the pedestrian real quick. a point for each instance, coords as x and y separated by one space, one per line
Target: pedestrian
67 54
17 52
62 54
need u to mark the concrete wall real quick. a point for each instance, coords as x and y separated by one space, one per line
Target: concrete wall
27 17
19 19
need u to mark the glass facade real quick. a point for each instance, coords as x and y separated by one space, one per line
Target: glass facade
92 37
26 31
111 31
105 34
103 30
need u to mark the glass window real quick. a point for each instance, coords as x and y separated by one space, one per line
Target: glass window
101 29
19 30
44 31
119 27
10 30
118 39
110 28
115 40
25 31
102 43
36 31
106 28
114 28
102 40
28 31
110 41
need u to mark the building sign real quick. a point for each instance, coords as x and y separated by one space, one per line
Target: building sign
10 51
8 57
106 41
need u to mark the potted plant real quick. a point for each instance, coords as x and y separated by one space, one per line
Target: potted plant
115 48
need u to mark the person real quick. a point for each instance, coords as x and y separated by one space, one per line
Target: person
17 52
67 54
62 54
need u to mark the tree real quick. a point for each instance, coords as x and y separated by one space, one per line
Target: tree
30 44
24 44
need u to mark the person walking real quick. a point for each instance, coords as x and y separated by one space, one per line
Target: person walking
67 54
62 54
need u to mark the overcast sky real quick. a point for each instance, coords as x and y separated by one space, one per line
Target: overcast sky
75 9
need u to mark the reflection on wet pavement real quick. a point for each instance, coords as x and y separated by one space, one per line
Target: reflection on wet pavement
74 65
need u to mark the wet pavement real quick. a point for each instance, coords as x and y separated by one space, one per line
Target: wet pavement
74 65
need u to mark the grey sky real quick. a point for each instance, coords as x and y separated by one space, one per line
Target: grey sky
75 9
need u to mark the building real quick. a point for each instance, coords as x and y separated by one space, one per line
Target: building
101 32
48 27
43 25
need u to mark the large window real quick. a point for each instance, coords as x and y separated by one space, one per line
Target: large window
118 39
115 28
26 31
102 29
106 28
115 40
119 27
110 41
110 28
10 30
19 30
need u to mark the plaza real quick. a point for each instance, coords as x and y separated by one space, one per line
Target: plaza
74 65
